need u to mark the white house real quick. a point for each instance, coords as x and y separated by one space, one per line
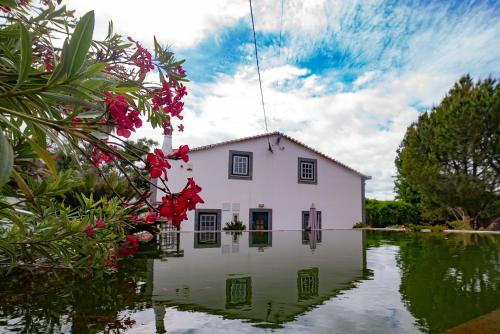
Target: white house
269 183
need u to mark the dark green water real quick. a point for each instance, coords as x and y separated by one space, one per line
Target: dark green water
285 282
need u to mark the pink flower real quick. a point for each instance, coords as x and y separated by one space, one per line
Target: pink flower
181 153
89 230
180 71
166 100
144 236
157 164
122 115
151 217
142 58
132 246
99 223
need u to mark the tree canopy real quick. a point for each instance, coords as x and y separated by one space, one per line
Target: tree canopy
449 159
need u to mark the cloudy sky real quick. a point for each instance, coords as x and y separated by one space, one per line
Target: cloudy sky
346 77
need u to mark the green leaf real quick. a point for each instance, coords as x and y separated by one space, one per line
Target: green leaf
8 3
26 54
57 13
95 69
44 155
125 89
10 251
23 186
6 161
68 99
80 43
92 84
58 75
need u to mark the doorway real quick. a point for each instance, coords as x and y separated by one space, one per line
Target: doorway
261 219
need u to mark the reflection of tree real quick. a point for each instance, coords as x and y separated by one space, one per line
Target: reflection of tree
43 302
447 280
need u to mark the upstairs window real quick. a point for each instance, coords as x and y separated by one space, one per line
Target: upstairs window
307 171
240 165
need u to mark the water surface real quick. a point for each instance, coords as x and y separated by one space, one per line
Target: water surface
341 281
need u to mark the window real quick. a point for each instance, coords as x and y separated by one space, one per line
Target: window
307 235
240 165
305 219
307 171
207 224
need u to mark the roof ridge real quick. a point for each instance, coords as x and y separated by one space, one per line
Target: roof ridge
237 140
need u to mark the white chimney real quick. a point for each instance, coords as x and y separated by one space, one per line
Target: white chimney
167 149
167 141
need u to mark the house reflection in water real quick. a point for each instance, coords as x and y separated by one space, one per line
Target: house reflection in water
231 275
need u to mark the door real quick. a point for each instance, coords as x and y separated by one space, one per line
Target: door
260 220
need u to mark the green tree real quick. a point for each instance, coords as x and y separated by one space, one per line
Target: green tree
450 157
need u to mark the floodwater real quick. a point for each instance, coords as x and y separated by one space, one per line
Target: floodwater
336 281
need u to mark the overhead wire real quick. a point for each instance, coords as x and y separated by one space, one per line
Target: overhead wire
260 80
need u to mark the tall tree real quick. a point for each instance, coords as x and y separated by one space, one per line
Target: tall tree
451 155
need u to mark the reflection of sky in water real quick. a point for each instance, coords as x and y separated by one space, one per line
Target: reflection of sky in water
374 306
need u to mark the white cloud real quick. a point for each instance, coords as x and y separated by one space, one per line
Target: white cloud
415 55
365 78
181 24
362 129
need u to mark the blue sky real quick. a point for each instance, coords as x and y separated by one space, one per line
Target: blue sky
348 77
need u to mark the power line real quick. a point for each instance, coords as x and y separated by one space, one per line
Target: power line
260 80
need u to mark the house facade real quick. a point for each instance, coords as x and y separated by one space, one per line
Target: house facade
269 182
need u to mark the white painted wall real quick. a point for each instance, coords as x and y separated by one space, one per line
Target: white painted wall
337 194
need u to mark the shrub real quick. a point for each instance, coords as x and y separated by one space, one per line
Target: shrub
387 213
234 226
360 225
459 225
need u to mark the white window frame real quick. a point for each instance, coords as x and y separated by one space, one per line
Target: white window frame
241 164
307 170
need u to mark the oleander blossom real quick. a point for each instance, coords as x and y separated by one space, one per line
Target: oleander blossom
157 164
174 207
144 236
48 60
142 58
89 230
122 115
131 246
180 71
181 153
99 157
100 223
168 99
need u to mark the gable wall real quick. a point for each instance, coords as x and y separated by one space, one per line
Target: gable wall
337 193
